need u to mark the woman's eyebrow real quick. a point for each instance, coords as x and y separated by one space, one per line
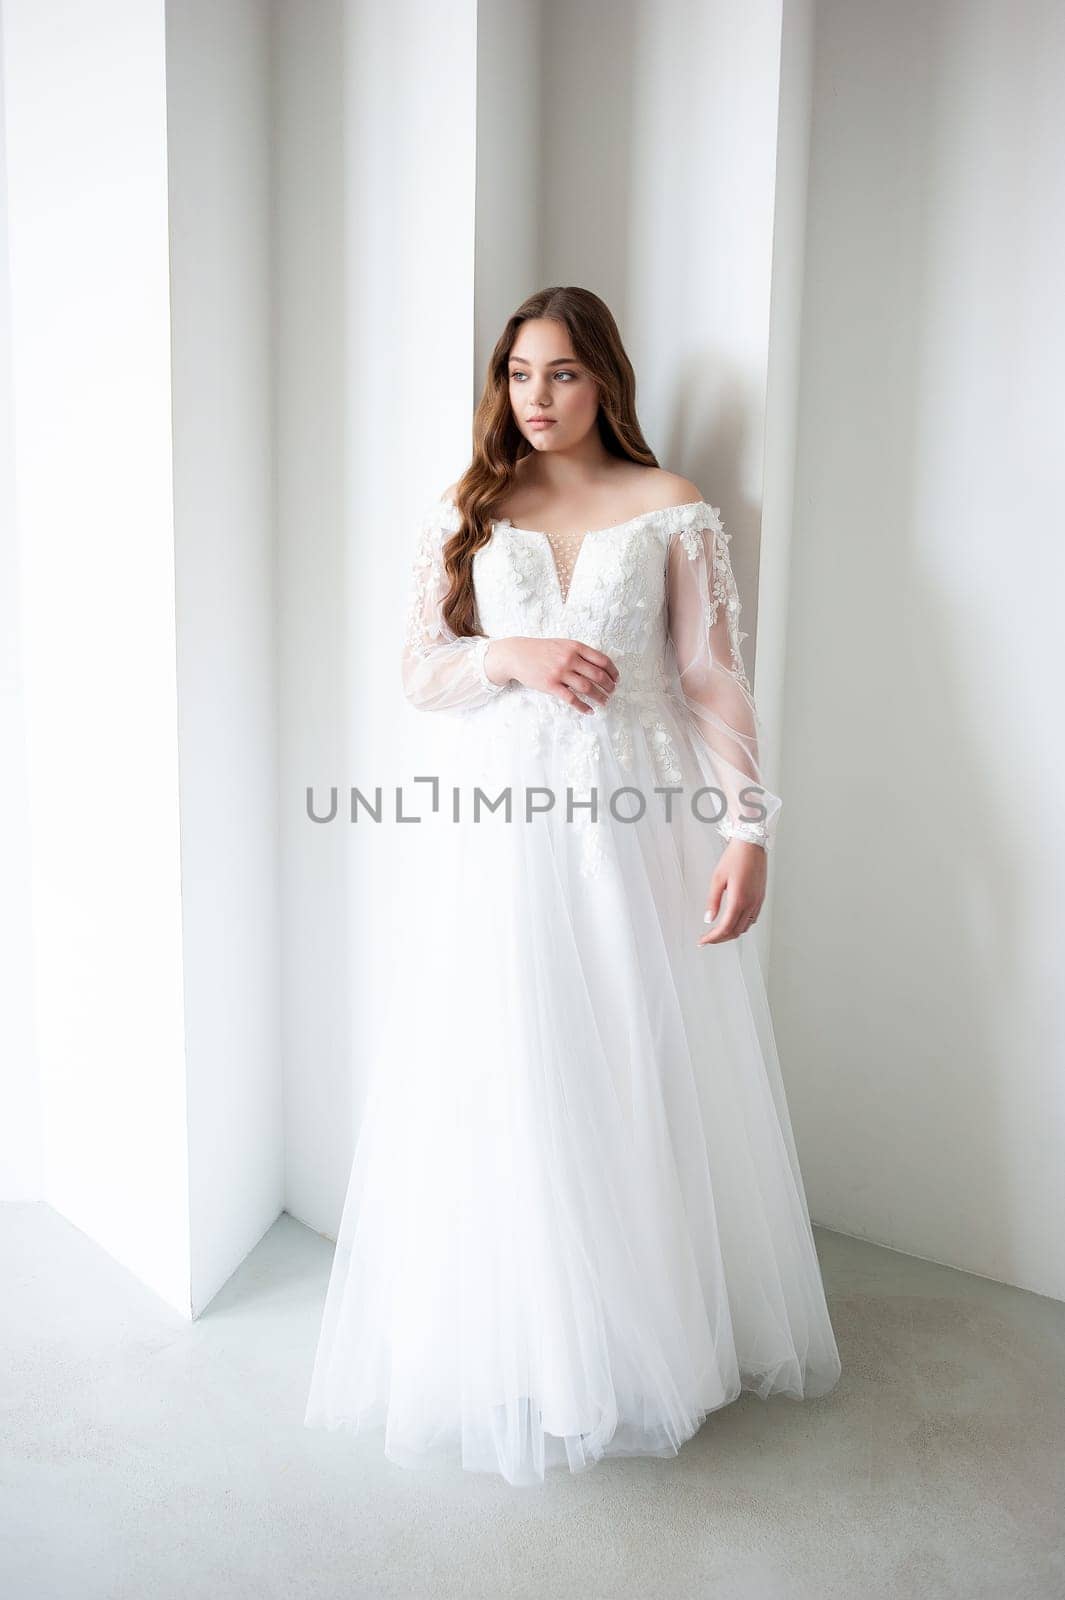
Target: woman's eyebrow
570 361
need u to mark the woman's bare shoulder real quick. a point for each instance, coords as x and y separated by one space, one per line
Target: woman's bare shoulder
669 488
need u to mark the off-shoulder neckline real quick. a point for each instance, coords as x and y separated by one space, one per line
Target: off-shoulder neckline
690 506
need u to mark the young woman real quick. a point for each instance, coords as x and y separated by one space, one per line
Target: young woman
576 1223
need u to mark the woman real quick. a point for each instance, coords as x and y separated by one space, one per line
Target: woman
576 1224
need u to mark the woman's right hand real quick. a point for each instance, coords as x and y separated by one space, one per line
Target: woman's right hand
563 667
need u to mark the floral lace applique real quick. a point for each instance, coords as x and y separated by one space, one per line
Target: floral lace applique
621 743
722 582
425 626
425 571
665 754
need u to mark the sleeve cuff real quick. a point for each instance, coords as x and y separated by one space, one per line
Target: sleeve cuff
749 832
480 650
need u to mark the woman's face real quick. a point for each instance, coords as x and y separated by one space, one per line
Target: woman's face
546 380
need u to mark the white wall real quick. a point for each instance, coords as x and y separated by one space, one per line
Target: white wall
918 918
220 142
86 150
21 1126
375 250
510 171
782 408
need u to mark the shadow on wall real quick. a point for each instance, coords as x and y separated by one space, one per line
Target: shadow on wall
710 430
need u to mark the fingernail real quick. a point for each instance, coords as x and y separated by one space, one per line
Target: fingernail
707 917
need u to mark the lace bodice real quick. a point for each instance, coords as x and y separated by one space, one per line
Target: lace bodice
656 593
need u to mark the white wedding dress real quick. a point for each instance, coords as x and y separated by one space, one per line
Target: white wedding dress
575 1223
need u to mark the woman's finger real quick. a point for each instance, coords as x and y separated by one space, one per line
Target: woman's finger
585 686
713 902
726 929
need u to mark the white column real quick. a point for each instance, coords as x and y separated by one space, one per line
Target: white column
86 150
145 541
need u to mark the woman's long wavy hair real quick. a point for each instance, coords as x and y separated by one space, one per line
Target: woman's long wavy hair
499 444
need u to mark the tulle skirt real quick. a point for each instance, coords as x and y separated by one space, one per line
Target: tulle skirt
575 1223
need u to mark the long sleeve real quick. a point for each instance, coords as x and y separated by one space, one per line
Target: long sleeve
440 671
703 615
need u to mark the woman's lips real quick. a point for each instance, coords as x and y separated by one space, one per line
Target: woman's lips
541 422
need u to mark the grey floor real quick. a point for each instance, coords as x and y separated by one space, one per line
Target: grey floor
149 1458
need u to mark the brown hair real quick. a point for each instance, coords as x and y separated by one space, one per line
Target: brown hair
498 443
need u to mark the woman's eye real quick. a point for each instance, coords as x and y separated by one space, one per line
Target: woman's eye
563 374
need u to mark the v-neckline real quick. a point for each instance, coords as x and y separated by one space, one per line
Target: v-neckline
538 533
589 533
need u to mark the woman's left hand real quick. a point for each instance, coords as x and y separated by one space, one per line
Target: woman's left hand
740 876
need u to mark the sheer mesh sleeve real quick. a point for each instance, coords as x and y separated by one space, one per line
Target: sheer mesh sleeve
440 672
704 629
